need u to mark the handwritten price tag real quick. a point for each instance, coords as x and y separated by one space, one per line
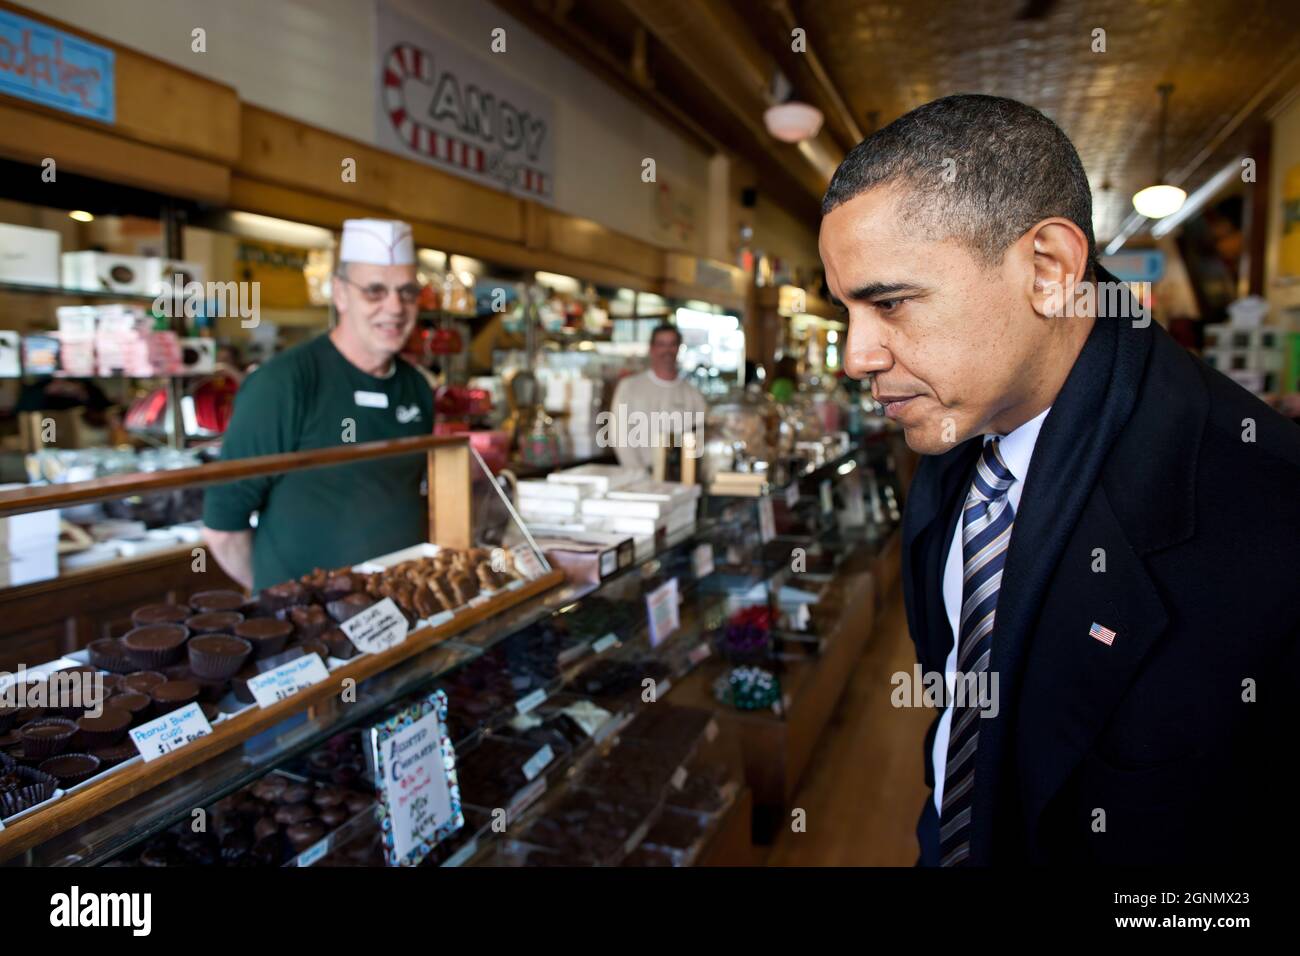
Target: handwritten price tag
287 679
170 732
702 560
663 612
538 762
377 628
534 700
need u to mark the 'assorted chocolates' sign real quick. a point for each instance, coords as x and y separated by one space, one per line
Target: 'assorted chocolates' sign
415 773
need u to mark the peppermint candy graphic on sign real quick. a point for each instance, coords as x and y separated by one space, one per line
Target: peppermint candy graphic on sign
405 63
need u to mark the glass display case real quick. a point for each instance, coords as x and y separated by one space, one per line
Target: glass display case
586 730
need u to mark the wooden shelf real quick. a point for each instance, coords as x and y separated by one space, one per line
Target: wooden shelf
76 808
44 497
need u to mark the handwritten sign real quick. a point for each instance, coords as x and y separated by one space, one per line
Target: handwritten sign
766 520
663 612
415 775
702 560
45 65
377 628
170 732
287 679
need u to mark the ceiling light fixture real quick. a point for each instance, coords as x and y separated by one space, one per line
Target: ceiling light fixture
1161 199
787 119
793 122
81 215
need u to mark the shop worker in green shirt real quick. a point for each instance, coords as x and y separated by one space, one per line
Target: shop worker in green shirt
348 385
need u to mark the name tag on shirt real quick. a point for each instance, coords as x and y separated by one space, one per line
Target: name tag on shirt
370 399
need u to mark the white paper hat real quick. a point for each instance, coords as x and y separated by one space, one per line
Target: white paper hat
383 242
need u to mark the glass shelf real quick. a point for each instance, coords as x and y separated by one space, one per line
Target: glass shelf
25 289
705 604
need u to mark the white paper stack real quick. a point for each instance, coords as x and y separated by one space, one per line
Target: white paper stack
77 339
122 343
600 478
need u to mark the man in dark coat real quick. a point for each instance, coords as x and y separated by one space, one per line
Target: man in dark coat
1102 541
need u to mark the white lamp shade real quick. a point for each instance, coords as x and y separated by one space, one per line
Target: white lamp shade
793 122
1156 202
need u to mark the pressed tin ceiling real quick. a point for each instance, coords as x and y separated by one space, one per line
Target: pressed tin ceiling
1220 55
705 66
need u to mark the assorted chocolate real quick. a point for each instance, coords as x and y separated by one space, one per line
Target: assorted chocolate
267 823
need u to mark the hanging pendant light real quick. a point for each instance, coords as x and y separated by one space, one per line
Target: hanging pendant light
1162 199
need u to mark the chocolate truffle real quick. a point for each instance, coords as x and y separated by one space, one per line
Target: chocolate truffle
108 728
143 681
154 646
289 813
305 834
159 614
215 622
172 694
110 655
309 621
208 601
266 634
46 737
349 606
217 657
70 769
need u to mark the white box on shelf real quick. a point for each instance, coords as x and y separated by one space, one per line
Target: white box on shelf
198 356
30 567
536 488
674 492
601 478
11 364
621 508
163 274
107 272
29 256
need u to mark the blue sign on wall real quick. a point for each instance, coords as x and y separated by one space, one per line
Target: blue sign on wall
1136 265
56 69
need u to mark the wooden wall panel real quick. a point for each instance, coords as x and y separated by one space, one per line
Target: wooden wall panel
278 149
30 136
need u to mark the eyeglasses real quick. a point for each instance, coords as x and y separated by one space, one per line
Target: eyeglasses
375 292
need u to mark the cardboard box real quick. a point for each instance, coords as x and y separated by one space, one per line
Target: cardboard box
29 256
163 272
588 558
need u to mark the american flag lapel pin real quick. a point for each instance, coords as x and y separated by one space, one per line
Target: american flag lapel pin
1103 634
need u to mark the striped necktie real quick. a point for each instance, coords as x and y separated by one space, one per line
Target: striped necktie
986 530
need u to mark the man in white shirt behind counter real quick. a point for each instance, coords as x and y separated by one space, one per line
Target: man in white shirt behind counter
655 407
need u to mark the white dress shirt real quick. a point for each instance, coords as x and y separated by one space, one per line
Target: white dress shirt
1017 449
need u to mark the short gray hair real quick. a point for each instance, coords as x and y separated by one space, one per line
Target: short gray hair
981 169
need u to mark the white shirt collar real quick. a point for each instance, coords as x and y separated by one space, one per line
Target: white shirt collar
663 382
1017 448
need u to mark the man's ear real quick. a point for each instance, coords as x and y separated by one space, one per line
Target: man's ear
1060 251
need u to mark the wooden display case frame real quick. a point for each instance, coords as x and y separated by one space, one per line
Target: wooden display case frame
450 525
